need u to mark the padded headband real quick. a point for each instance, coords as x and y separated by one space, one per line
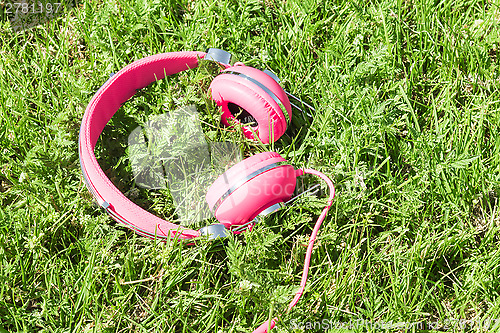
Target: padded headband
108 99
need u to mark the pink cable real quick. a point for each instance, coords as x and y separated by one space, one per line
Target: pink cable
264 327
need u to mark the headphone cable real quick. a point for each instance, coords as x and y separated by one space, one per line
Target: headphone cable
268 325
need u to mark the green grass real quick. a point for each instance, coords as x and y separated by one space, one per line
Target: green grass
407 126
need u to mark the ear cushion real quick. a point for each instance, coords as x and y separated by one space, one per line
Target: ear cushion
251 186
231 87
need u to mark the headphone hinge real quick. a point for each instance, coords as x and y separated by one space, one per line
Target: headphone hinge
220 56
214 231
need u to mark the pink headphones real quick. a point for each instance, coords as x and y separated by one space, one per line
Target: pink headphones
256 186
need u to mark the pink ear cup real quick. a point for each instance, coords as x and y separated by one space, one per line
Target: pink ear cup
240 170
251 186
246 87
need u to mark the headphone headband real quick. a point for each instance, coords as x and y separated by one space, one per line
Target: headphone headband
108 99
